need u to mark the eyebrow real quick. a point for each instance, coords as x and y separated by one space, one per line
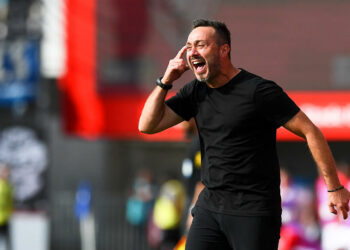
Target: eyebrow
195 42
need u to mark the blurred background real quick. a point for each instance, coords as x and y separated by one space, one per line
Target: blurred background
74 75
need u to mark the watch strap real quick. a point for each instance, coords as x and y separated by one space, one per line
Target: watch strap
162 85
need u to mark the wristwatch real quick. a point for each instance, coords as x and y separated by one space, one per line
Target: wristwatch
162 85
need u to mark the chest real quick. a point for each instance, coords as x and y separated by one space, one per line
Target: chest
226 111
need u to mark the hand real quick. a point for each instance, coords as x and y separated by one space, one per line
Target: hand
176 67
339 201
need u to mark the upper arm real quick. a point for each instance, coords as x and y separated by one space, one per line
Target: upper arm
300 125
274 104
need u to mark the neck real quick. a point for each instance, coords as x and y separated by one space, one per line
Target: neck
225 75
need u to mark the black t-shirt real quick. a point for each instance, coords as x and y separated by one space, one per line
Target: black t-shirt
237 126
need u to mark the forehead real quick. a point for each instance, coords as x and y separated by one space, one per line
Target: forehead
201 33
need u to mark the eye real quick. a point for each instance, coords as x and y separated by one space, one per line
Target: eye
188 48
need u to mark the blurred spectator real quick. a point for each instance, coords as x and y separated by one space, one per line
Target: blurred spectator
289 195
191 165
335 230
141 200
299 223
6 206
139 206
191 168
166 215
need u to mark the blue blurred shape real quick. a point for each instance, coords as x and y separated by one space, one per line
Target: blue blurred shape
19 71
83 200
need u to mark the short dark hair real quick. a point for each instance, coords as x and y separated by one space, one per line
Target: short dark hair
224 35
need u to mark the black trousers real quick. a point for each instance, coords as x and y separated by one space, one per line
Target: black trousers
211 231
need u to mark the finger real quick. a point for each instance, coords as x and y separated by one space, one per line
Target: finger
346 206
179 64
181 52
332 209
345 214
185 68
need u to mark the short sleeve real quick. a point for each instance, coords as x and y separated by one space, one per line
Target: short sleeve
183 102
274 104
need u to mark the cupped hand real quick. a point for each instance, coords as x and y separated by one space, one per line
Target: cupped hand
176 67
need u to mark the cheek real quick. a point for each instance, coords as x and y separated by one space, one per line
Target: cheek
189 62
213 58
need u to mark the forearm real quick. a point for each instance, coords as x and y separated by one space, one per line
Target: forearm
302 126
153 111
323 157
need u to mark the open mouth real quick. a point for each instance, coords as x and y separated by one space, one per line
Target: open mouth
199 66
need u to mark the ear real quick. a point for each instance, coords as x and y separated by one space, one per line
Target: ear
224 50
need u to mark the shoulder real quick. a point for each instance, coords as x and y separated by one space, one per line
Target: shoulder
264 90
188 88
193 89
258 81
261 85
251 81
191 86
252 84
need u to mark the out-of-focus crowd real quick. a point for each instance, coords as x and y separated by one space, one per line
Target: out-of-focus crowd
307 224
164 212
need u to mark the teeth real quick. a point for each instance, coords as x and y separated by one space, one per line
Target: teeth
195 63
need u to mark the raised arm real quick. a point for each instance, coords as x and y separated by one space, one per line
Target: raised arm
301 125
156 116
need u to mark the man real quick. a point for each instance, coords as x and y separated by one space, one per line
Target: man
237 114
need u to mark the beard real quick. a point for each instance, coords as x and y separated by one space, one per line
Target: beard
213 68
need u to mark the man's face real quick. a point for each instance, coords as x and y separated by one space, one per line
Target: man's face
203 53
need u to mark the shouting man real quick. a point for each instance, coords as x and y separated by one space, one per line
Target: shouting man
237 114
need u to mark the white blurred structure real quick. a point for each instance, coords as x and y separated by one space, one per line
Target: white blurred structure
53 49
29 231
